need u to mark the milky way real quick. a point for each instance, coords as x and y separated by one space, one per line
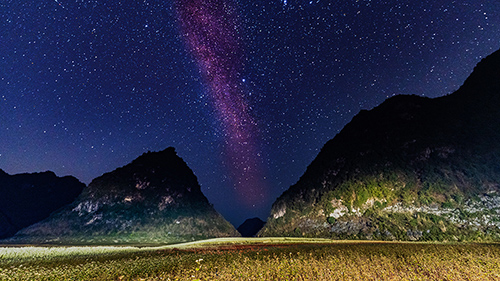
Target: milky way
87 86
210 28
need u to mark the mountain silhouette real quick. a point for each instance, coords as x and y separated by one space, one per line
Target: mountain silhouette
28 198
154 199
412 168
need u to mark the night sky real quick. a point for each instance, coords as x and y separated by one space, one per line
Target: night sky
246 91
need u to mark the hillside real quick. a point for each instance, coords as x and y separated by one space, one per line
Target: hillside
154 199
29 198
412 168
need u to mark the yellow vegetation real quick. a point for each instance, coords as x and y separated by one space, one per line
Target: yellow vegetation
277 259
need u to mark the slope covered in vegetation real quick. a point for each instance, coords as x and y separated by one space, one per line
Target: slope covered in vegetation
154 199
412 168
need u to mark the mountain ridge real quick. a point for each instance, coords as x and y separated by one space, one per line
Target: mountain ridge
154 199
27 198
250 227
412 151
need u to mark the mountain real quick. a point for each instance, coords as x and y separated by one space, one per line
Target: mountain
29 198
412 168
250 227
154 199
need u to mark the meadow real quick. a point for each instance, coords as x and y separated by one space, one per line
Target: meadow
256 259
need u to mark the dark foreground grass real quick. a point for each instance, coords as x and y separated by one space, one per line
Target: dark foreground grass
333 261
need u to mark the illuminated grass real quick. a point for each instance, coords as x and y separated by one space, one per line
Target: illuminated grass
9 254
256 259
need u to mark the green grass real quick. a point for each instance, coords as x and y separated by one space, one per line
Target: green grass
256 259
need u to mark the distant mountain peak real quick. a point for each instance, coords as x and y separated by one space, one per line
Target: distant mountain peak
28 198
250 227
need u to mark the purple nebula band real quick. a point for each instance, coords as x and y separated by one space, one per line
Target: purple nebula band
210 29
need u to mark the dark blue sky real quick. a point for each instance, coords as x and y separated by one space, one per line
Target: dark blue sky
86 86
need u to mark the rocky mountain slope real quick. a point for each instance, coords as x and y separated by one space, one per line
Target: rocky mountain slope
154 199
412 168
28 198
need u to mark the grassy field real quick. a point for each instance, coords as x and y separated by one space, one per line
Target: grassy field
256 259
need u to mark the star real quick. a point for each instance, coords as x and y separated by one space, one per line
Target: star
88 86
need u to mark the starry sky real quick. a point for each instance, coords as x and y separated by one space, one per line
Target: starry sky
246 91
